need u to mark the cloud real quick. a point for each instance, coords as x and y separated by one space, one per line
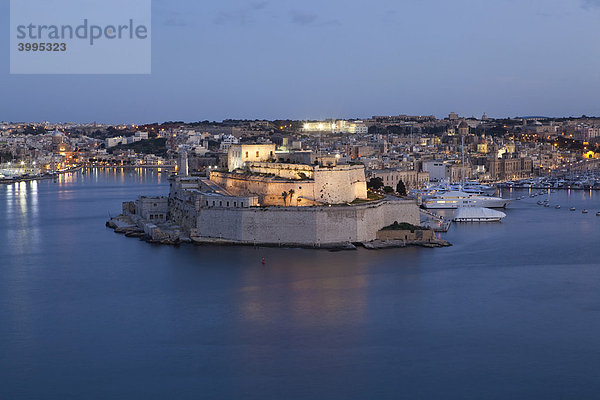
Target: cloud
176 22
259 5
587 4
310 18
303 18
331 22
242 16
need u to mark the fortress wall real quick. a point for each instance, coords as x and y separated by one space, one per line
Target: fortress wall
304 225
258 225
183 213
401 211
268 191
222 223
342 184
287 171
337 185
339 224
280 226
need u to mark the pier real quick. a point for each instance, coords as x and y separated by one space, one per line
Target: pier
434 221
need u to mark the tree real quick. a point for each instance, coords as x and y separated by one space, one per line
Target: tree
284 195
388 189
291 193
375 183
400 188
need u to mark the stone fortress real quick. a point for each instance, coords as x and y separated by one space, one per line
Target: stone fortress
258 201
251 173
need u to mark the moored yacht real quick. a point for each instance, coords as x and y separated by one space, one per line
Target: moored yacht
457 198
477 214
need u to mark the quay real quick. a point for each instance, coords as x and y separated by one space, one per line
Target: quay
40 177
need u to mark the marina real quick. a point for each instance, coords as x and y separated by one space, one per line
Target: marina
581 181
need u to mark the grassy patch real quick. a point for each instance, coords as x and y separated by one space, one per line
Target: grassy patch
371 196
403 226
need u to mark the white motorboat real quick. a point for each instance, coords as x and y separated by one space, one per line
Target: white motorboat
456 198
477 214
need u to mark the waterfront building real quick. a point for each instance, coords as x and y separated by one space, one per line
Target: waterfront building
391 178
240 154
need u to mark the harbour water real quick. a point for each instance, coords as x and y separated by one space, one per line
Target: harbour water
512 310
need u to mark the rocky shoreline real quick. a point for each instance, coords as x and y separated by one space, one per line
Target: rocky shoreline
169 234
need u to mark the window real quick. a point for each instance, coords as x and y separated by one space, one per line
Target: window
220 204
227 204
246 154
235 203
213 203
257 154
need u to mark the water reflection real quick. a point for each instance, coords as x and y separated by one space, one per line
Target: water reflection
317 288
308 300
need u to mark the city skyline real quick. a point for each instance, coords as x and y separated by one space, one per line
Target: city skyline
311 61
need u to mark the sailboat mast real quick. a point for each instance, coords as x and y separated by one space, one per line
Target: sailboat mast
462 150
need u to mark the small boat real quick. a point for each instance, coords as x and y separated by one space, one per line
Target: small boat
557 207
572 208
539 203
546 205
584 211
598 214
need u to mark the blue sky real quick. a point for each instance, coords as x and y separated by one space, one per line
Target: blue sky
335 59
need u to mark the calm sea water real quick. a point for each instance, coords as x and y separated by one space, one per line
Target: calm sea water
512 310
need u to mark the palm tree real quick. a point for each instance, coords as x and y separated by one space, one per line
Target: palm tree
284 195
291 193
